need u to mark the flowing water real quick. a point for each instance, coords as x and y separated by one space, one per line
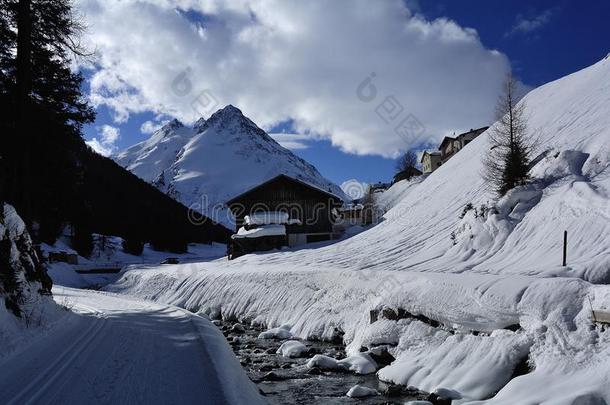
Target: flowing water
289 381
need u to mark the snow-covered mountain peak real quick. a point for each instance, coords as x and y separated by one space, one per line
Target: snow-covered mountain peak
146 159
227 114
169 130
199 125
173 124
230 121
217 159
229 109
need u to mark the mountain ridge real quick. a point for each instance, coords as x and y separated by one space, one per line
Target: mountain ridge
205 165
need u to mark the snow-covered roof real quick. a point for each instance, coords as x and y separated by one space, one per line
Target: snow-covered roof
429 152
265 230
445 140
266 218
300 181
351 207
456 137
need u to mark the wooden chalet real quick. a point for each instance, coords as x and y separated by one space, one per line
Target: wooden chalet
309 209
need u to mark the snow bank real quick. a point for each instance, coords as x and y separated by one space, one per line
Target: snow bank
320 303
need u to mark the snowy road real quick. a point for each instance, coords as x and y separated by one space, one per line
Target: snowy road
117 350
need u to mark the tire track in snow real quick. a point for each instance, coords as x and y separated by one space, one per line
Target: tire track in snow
45 379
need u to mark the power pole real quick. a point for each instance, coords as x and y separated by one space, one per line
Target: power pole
565 247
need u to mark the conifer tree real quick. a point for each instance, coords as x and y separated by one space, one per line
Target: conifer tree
507 162
42 108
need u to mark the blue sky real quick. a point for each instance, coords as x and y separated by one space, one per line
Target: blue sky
543 41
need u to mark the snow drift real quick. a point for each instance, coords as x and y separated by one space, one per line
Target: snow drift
467 293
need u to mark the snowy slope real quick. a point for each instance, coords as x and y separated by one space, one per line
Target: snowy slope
218 159
500 274
148 159
398 191
570 191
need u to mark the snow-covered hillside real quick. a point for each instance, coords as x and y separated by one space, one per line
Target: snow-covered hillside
389 198
217 159
496 270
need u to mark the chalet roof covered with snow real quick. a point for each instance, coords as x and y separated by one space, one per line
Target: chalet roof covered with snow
429 152
299 181
453 138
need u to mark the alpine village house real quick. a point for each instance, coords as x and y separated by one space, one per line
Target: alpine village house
283 211
432 160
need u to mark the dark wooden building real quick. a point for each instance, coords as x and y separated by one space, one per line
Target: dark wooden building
309 207
406 174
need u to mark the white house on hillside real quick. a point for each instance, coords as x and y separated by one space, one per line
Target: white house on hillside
430 161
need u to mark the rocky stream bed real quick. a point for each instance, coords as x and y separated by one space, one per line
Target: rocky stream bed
289 380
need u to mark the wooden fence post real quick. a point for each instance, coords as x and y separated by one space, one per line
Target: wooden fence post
565 247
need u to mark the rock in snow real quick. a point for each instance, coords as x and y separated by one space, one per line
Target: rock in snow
322 362
207 165
238 328
447 393
292 348
359 363
283 332
358 391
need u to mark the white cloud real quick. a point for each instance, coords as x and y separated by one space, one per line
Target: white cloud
148 127
106 145
305 61
110 134
292 141
527 25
